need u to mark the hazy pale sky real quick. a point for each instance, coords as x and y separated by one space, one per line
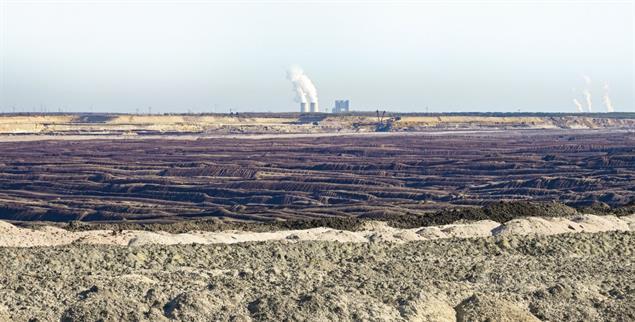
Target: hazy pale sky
404 56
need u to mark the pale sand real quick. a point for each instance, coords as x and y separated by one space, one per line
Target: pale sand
12 236
192 137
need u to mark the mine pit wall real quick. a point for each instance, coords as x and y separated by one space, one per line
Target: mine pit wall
290 123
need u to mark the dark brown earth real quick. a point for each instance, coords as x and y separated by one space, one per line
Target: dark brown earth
500 212
311 178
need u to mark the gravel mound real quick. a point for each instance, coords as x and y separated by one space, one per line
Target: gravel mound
562 277
428 308
483 308
207 306
100 305
323 304
4 314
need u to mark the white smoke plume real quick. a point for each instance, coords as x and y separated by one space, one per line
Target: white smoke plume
302 84
587 93
578 105
589 102
607 99
300 96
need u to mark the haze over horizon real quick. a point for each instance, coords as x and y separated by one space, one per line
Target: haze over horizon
404 56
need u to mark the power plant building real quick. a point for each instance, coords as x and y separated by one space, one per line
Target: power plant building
341 106
312 107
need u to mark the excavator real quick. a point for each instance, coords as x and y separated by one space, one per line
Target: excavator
384 124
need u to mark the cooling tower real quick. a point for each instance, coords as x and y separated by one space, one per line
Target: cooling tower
304 108
314 107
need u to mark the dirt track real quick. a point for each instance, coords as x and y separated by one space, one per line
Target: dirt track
572 277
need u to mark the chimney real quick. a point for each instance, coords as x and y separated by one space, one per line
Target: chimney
304 108
314 107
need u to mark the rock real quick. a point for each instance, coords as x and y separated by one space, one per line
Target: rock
98 305
322 305
206 306
339 305
4 314
428 308
490 308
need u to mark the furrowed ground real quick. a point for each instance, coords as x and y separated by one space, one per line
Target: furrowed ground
162 180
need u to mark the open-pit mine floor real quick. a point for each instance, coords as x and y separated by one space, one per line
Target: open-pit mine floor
305 177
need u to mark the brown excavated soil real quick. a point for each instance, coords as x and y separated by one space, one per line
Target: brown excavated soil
312 178
499 212
566 277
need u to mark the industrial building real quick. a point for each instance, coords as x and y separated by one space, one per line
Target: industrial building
341 106
312 107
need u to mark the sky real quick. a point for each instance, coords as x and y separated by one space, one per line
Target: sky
404 56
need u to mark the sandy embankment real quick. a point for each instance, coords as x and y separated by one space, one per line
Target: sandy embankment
123 124
12 236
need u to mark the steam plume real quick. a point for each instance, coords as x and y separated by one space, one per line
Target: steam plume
302 84
589 103
578 105
607 99
300 95
587 94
